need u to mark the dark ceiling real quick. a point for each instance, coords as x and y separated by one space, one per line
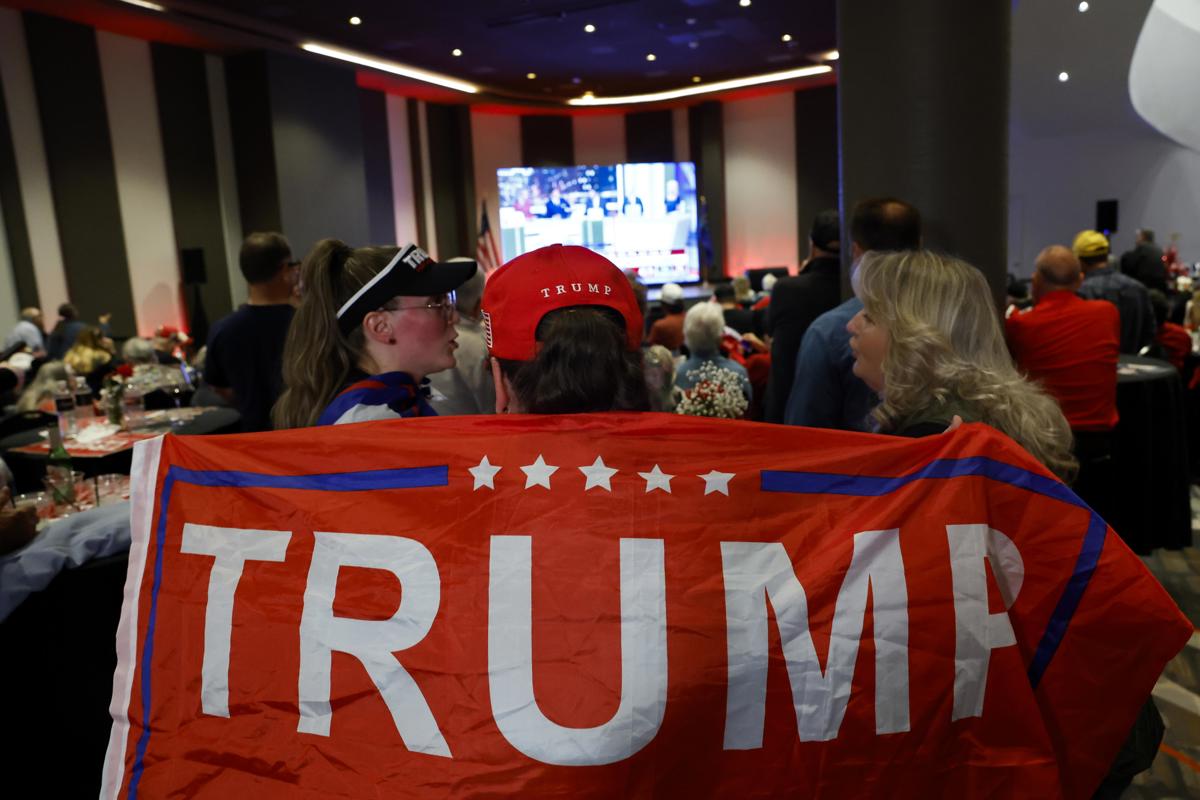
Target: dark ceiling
504 40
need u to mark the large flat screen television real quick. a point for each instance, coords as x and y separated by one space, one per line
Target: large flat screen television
640 216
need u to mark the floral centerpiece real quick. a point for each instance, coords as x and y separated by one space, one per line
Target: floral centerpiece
112 392
717 392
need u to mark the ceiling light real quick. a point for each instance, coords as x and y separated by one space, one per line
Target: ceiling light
531 75
589 99
651 57
1063 77
402 70
695 79
456 52
828 55
693 44
787 37
744 3
1083 7
356 20
589 28
144 4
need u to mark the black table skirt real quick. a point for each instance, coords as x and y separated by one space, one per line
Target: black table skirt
29 468
1152 503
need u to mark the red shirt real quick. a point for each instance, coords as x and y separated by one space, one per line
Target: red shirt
668 331
1176 343
1070 346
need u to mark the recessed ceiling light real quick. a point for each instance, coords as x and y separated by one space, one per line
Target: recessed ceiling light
693 44
695 79
144 4
394 68
1083 7
744 3
787 37
828 55
1063 77
589 99
576 81
356 20
589 28
531 75
691 20
651 57
456 52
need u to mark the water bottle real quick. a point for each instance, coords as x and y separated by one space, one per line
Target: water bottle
135 404
83 402
64 406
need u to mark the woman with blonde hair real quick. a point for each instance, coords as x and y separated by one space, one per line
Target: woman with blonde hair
39 394
89 353
929 342
373 323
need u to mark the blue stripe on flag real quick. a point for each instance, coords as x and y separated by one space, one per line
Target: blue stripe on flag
875 486
408 478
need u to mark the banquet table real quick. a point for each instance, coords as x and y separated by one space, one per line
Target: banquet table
1151 505
26 452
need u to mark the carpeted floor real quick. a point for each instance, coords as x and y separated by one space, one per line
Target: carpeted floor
1176 771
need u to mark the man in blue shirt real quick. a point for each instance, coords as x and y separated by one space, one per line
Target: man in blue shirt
825 392
1100 282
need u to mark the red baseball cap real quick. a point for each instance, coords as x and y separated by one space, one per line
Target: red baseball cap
530 286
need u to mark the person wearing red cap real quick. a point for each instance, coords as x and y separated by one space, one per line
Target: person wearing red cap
372 324
564 332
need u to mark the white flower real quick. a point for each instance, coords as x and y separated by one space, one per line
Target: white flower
717 392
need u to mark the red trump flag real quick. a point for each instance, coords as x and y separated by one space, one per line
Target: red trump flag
622 605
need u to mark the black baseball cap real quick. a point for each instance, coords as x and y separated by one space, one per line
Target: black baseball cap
412 273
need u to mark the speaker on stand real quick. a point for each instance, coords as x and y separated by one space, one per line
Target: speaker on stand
194 277
1106 217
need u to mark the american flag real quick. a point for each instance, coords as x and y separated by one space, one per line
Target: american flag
487 255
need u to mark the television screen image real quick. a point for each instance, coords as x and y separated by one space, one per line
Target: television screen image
641 217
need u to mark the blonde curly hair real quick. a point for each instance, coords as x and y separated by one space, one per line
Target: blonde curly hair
947 353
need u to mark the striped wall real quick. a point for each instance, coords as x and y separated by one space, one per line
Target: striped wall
760 181
114 162
141 180
599 139
30 222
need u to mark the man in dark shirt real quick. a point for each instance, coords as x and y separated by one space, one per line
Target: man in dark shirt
66 330
825 391
797 301
1100 282
1144 262
245 349
742 320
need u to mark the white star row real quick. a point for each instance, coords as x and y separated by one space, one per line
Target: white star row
599 476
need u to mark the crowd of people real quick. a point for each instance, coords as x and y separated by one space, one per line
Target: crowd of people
351 334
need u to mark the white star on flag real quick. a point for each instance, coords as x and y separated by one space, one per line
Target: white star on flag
538 473
716 482
598 474
657 479
483 473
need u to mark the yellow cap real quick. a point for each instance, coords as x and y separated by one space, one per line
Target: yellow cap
1090 244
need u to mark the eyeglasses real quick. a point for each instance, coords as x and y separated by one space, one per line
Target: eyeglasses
443 303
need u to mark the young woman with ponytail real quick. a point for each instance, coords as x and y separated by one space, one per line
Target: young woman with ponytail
372 324
564 331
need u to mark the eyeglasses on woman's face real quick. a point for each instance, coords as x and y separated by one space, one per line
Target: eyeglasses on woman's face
442 302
